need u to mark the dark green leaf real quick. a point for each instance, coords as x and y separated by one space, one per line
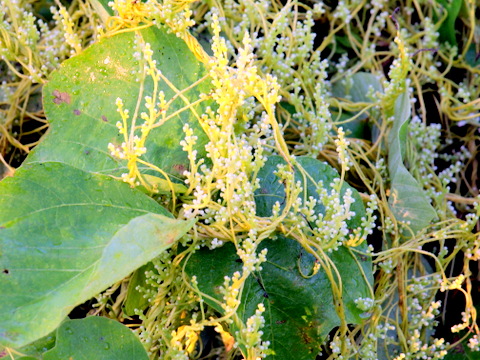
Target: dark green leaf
271 190
96 338
300 308
135 299
472 58
447 29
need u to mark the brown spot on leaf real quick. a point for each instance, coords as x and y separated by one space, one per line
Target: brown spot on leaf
104 118
77 112
180 168
61 97
305 337
6 271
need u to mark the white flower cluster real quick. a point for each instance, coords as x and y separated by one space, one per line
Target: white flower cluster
430 36
247 252
364 304
375 336
388 265
71 36
323 219
424 150
231 292
286 49
174 14
422 314
251 335
32 43
337 344
360 234
342 146
473 343
343 12
234 156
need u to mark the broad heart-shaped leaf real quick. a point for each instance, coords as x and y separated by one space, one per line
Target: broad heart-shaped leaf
407 199
80 97
96 338
300 309
66 235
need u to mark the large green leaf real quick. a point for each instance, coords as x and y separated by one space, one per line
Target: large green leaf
407 199
66 235
79 101
96 338
300 308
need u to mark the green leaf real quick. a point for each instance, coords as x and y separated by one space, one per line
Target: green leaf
271 190
357 128
39 346
472 58
447 29
96 338
135 299
356 88
66 235
300 309
79 101
407 200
